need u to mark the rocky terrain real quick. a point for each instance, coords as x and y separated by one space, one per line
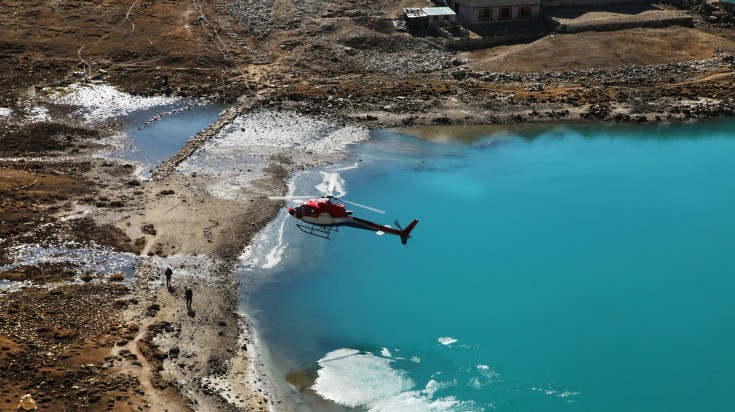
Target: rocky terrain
86 337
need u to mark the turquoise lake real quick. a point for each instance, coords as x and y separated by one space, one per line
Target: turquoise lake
555 268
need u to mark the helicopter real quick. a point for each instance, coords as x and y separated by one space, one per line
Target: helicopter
322 215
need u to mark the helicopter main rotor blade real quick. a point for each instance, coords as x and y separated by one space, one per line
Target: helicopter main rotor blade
382 212
293 197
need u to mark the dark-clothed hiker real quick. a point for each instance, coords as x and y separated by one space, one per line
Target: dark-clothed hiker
188 294
168 274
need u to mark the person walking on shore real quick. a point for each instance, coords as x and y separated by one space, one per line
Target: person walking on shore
188 294
168 274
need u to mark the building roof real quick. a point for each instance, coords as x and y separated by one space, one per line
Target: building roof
413 12
440 11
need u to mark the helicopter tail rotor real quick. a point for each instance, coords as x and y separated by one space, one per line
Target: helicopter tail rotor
406 233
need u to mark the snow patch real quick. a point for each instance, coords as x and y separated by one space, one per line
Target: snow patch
97 102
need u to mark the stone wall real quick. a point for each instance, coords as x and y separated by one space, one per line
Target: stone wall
620 24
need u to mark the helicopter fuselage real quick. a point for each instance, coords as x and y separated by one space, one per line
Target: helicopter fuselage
332 214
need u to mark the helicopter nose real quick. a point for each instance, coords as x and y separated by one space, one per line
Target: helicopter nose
290 211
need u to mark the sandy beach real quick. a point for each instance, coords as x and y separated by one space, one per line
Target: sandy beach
101 331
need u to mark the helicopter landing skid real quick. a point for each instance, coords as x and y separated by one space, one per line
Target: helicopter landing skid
318 231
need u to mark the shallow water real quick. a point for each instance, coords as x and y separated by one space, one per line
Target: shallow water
155 134
153 128
554 268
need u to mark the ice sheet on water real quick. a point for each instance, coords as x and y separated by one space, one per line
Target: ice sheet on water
360 379
550 391
98 102
488 376
435 386
446 340
350 377
266 251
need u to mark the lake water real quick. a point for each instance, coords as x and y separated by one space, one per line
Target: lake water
554 268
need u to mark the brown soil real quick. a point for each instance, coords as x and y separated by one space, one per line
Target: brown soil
604 50
100 345
61 356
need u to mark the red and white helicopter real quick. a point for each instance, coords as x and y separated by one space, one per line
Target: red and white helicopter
324 215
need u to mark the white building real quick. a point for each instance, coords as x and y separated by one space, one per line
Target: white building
425 17
471 12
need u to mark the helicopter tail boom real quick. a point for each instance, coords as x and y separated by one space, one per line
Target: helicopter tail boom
380 229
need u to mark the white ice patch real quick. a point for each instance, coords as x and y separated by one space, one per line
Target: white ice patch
332 184
475 383
90 258
98 102
241 151
352 378
6 112
266 250
414 402
487 377
446 340
358 379
435 386
290 130
549 391
189 270
343 168
38 115
487 372
385 353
